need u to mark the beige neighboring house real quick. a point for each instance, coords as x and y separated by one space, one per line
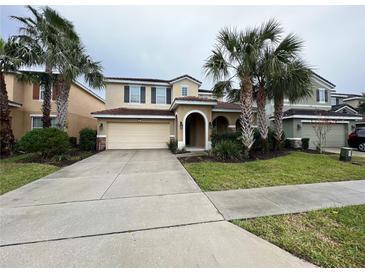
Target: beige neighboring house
147 113
25 101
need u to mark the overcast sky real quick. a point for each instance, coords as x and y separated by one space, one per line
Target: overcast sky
165 42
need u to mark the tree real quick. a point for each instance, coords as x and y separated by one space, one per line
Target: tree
291 80
12 56
233 60
78 64
362 104
46 33
321 128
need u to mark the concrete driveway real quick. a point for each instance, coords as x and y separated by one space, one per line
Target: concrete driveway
337 150
125 208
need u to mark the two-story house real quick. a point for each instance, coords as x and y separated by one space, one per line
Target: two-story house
147 113
301 117
345 102
25 101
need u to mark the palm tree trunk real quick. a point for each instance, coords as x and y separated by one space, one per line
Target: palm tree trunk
261 117
6 134
62 103
278 121
246 115
46 106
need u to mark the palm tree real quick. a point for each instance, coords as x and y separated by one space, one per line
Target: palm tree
362 104
79 64
46 31
233 61
12 56
290 80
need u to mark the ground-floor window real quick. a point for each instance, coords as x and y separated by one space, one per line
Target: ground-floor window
37 122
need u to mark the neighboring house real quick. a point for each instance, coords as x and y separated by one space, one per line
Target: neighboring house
25 101
147 113
300 118
351 100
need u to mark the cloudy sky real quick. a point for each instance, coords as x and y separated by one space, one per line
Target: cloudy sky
167 41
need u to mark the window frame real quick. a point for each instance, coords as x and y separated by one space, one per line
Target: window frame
187 90
53 117
41 88
165 93
139 94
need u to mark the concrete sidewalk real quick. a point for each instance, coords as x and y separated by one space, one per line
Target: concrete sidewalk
250 203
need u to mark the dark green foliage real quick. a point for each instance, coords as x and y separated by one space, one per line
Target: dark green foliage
73 141
305 143
227 150
287 143
257 146
46 141
232 136
88 139
172 145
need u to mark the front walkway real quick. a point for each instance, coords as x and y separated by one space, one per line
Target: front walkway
256 202
131 208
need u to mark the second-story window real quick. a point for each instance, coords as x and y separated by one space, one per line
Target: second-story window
321 95
135 94
184 91
160 95
42 90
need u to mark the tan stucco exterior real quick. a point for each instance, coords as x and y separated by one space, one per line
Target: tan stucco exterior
81 104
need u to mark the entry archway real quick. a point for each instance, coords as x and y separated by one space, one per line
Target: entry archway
195 130
220 124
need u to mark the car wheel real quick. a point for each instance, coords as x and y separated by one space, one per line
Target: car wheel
361 147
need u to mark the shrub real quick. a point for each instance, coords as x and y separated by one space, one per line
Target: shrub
305 143
172 145
47 141
227 150
87 139
73 141
231 136
257 146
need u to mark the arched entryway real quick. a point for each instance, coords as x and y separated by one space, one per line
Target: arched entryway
238 125
220 124
195 130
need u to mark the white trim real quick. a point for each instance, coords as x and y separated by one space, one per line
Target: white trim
40 115
317 122
17 105
338 95
136 82
321 117
172 136
205 93
207 145
198 103
225 110
133 116
89 91
37 116
352 98
165 103
186 77
231 126
130 95
319 80
352 110
101 136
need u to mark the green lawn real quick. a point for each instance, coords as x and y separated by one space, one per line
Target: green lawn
328 238
14 174
295 168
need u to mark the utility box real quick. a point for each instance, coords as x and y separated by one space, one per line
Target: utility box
346 154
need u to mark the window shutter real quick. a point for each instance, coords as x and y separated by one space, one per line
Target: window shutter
126 94
168 96
143 95
317 95
35 91
55 92
326 95
153 95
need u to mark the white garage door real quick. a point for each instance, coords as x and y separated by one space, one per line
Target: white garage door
336 136
137 135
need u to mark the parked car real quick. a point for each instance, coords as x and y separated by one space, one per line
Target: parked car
357 139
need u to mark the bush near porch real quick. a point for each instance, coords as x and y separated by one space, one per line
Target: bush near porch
293 168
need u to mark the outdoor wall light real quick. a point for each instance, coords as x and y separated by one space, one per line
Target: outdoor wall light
101 125
181 125
210 125
299 126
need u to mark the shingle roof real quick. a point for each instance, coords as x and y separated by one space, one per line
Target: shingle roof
337 107
153 79
323 79
317 112
225 105
130 111
195 98
205 90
